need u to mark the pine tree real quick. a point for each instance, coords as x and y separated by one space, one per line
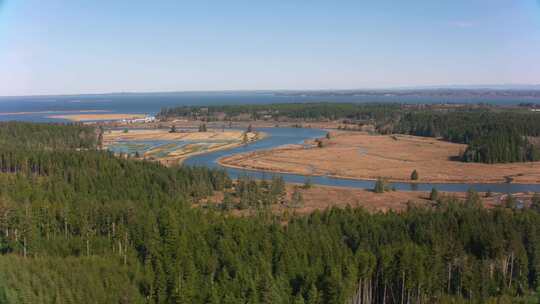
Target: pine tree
510 201
414 175
434 195
535 202
297 199
380 185
473 199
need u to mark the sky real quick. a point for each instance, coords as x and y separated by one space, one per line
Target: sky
81 46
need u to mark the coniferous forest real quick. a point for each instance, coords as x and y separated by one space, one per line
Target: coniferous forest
79 225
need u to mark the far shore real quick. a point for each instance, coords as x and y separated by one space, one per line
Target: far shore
52 112
97 117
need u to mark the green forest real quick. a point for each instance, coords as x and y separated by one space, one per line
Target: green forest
493 134
79 225
301 111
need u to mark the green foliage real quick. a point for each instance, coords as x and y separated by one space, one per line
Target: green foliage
81 225
492 136
414 175
510 202
434 195
23 135
68 279
304 111
380 185
473 199
535 202
297 199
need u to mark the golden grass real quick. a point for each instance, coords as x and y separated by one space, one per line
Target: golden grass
361 156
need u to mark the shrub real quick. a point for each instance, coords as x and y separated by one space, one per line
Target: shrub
414 175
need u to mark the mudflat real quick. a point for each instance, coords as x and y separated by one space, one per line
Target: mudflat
359 155
179 145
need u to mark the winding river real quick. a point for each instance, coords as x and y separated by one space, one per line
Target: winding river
283 136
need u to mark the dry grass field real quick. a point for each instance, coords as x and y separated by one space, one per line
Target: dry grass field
358 155
321 197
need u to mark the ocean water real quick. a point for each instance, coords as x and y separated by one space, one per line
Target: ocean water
38 108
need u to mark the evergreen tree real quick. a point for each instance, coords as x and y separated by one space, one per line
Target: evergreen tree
414 175
535 202
434 195
297 199
380 185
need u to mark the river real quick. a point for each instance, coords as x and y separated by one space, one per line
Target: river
283 136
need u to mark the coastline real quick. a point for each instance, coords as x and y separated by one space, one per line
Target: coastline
181 160
96 117
226 161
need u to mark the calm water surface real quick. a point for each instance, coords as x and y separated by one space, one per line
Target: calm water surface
283 136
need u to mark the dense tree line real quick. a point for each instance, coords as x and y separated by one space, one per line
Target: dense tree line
47 136
491 136
87 225
301 111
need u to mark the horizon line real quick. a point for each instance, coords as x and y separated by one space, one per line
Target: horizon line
494 87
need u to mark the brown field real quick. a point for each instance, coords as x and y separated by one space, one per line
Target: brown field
323 197
97 117
358 155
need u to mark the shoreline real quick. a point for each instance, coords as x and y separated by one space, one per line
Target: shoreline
181 160
222 161
52 112
97 117
390 180
171 160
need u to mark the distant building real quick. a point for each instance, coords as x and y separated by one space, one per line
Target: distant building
146 119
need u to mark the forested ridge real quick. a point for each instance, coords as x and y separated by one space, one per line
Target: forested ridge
493 134
90 227
303 111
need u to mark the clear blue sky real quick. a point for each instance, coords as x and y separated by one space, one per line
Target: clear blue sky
81 46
